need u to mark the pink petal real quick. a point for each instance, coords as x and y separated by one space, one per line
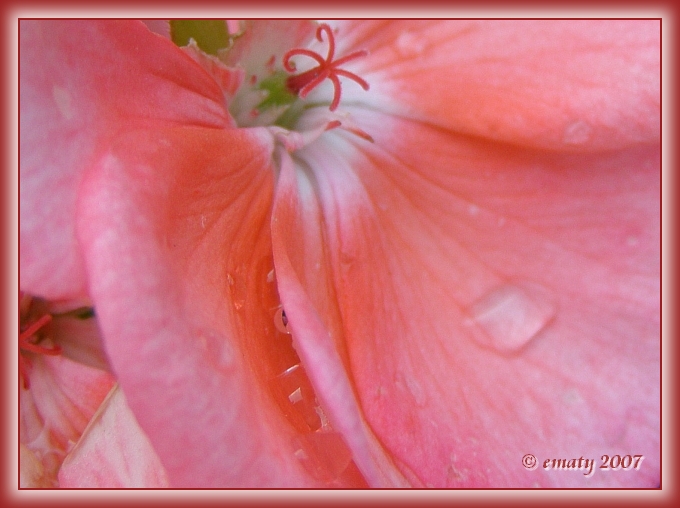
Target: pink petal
158 26
80 340
557 84
80 83
301 264
32 472
62 398
175 224
486 302
113 452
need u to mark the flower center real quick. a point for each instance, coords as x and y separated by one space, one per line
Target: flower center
31 333
262 88
302 84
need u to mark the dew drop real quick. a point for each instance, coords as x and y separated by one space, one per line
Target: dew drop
577 133
511 315
410 384
281 321
296 396
456 475
416 390
325 424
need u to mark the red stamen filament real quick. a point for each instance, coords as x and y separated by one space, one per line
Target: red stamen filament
27 346
305 82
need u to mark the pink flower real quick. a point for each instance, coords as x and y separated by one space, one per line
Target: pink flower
456 267
63 380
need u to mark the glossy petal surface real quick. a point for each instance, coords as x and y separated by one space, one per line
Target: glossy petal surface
62 398
81 82
174 270
557 84
486 298
113 452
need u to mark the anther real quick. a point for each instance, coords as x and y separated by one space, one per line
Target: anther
305 82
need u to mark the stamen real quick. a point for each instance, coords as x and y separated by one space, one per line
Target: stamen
31 330
305 82
26 346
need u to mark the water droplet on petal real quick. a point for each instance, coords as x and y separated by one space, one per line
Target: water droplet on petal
281 321
577 133
413 387
416 390
297 399
456 475
511 315
325 424
296 396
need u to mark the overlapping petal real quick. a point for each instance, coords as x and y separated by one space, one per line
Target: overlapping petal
175 224
488 302
62 398
456 301
305 282
569 85
113 452
474 288
81 82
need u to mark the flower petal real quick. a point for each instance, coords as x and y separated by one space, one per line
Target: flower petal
62 398
300 262
491 302
32 472
559 84
175 228
113 452
80 83
80 340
